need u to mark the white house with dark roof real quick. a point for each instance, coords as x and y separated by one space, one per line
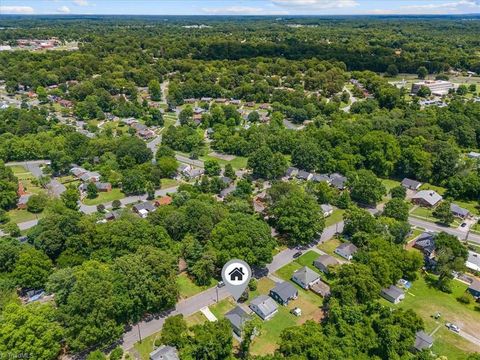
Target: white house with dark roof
305 277
264 306
164 352
346 250
327 210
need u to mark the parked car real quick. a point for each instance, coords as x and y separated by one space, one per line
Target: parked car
297 254
463 225
220 284
452 327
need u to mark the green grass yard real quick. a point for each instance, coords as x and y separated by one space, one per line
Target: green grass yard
330 246
438 189
390 184
336 217
18 216
427 301
188 288
103 197
144 348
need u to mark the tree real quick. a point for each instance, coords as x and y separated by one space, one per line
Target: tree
365 187
92 191
185 115
424 91
155 90
297 216
150 189
358 220
398 192
174 331
32 269
462 90
253 117
392 70
451 256
443 213
30 329
96 355
211 341
397 209
251 328
134 182
12 229
100 208
71 197
265 164
422 72
36 203
212 168
116 204
4 218
116 354
229 171
167 166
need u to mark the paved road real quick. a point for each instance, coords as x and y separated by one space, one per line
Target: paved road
437 228
353 100
208 297
186 160
473 339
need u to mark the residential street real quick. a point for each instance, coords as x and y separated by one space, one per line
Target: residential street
437 228
186 160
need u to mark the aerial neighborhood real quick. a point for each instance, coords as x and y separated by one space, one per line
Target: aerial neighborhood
338 157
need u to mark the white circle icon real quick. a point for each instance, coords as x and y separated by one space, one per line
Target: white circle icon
236 273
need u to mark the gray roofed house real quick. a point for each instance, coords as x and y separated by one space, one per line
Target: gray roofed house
22 201
327 209
305 277
113 215
425 243
194 173
346 250
206 99
474 289
323 262
284 292
473 154
226 180
78 171
321 289
411 184
103 186
337 180
264 306
304 175
473 261
393 294
459 211
428 198
291 172
237 317
422 341
90 176
320 178
143 208
227 191
164 352
139 127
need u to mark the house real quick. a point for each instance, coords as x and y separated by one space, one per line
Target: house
193 173
113 215
459 212
437 87
426 244
338 181
324 262
393 294
165 200
291 172
265 106
103 186
22 201
473 154
226 180
305 277
346 250
320 288
474 289
189 101
146 134
143 209
304 175
90 176
320 178
220 101
139 127
237 317
227 191
284 292
77 171
164 352
422 341
250 104
411 184
264 306
473 261
129 121
235 102
206 99
428 198
327 210
198 110
65 103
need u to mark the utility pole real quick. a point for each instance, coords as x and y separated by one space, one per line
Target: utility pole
139 335
216 288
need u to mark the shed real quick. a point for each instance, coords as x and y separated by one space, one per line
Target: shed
393 294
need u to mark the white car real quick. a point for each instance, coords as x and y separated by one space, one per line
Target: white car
452 327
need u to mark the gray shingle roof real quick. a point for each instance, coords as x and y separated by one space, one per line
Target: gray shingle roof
422 341
265 304
337 180
411 184
285 291
164 352
457 210
305 275
393 291
429 196
144 206
325 260
237 317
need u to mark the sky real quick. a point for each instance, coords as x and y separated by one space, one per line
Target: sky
240 7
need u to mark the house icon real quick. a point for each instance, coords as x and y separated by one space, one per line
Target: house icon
236 274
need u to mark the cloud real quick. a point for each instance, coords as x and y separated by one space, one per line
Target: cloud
16 10
81 2
316 4
64 10
234 10
456 7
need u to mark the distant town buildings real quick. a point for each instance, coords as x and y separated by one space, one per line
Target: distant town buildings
437 87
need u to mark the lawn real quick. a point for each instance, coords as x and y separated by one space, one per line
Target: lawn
144 348
239 162
307 259
330 246
438 189
415 233
222 307
18 216
427 301
104 197
336 217
426 214
168 183
195 319
390 184
188 288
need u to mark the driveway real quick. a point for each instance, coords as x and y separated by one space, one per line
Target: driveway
33 166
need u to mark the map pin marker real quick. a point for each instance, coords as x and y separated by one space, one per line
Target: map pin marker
236 274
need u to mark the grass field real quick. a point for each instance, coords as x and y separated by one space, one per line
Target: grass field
336 217
390 184
239 162
188 288
427 301
103 197
18 216
329 246
222 307
168 183
144 348
438 189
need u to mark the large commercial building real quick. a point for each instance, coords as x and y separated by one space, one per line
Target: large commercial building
437 87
